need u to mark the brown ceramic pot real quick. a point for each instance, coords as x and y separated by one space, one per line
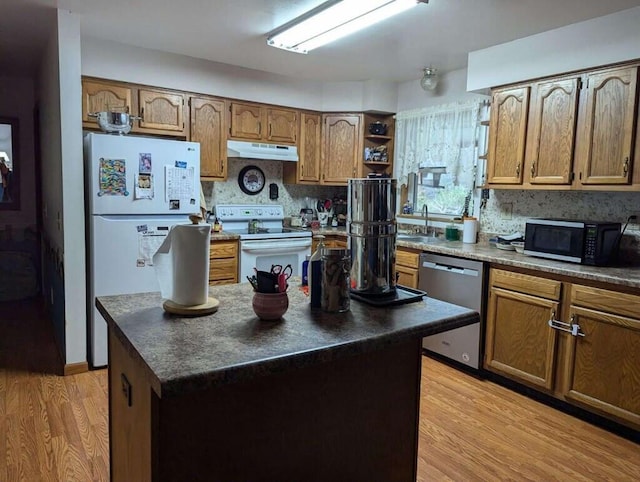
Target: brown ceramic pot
270 306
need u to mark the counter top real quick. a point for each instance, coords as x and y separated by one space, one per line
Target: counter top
620 275
628 276
188 354
224 236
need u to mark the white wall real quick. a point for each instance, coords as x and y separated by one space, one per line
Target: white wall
451 88
72 186
62 173
111 60
17 100
600 41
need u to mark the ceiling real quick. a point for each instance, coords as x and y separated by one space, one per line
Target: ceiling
439 33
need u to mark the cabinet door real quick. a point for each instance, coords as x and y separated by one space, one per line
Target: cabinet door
223 262
161 112
407 276
342 148
208 128
282 125
519 342
603 364
103 96
607 123
507 133
550 141
246 121
309 153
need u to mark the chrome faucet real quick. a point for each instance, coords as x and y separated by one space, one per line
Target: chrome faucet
425 213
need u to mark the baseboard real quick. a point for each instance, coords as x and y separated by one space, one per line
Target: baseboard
75 368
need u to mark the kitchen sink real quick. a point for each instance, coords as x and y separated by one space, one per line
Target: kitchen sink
417 238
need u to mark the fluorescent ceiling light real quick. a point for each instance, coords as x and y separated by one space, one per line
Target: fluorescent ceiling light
333 20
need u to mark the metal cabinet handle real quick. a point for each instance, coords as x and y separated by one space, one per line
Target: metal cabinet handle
518 170
142 114
533 169
625 167
572 327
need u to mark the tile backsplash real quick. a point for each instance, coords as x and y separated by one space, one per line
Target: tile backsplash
507 211
293 197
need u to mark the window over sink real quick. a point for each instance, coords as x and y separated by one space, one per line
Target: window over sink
437 158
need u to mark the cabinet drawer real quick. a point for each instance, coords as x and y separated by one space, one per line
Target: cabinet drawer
223 269
622 304
223 249
524 283
407 276
407 258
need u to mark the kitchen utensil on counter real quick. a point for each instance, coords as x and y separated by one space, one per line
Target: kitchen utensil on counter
267 282
320 206
327 205
307 216
336 264
283 275
114 122
323 218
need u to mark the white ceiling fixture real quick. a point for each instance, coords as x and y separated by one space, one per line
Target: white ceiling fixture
333 20
429 80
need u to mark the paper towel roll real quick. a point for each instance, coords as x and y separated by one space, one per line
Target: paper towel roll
182 264
469 230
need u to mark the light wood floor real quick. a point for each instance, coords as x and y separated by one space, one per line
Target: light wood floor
55 428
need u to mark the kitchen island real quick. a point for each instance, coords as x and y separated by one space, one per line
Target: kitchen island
315 396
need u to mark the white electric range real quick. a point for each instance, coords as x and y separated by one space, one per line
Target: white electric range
263 240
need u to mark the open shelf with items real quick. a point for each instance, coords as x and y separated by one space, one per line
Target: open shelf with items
379 131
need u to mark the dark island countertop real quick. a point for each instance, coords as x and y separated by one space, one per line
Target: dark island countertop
181 354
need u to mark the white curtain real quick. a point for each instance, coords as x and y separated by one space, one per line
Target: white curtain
444 135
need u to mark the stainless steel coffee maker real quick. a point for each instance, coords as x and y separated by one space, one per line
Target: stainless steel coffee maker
371 226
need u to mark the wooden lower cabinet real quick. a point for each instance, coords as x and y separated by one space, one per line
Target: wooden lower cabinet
602 369
223 262
407 266
331 241
577 343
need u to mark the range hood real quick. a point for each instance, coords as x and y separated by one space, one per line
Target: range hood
261 150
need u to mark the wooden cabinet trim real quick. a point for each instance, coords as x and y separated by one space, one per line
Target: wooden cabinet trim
410 259
524 283
605 300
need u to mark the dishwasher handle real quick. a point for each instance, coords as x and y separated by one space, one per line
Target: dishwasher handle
450 269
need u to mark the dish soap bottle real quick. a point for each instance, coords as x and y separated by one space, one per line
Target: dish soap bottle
315 276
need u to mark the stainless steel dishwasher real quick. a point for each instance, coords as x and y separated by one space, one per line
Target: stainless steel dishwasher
461 282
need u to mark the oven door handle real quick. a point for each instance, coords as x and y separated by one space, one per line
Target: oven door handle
282 245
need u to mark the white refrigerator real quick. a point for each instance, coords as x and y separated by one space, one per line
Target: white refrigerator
136 188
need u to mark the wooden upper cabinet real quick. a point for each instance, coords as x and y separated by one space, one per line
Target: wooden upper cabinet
257 122
282 125
103 97
161 112
507 135
551 133
207 126
307 169
342 148
246 121
310 143
605 142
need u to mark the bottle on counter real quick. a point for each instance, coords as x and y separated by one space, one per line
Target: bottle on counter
305 271
217 225
315 278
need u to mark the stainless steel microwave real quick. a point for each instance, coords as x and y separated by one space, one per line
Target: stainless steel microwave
586 242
